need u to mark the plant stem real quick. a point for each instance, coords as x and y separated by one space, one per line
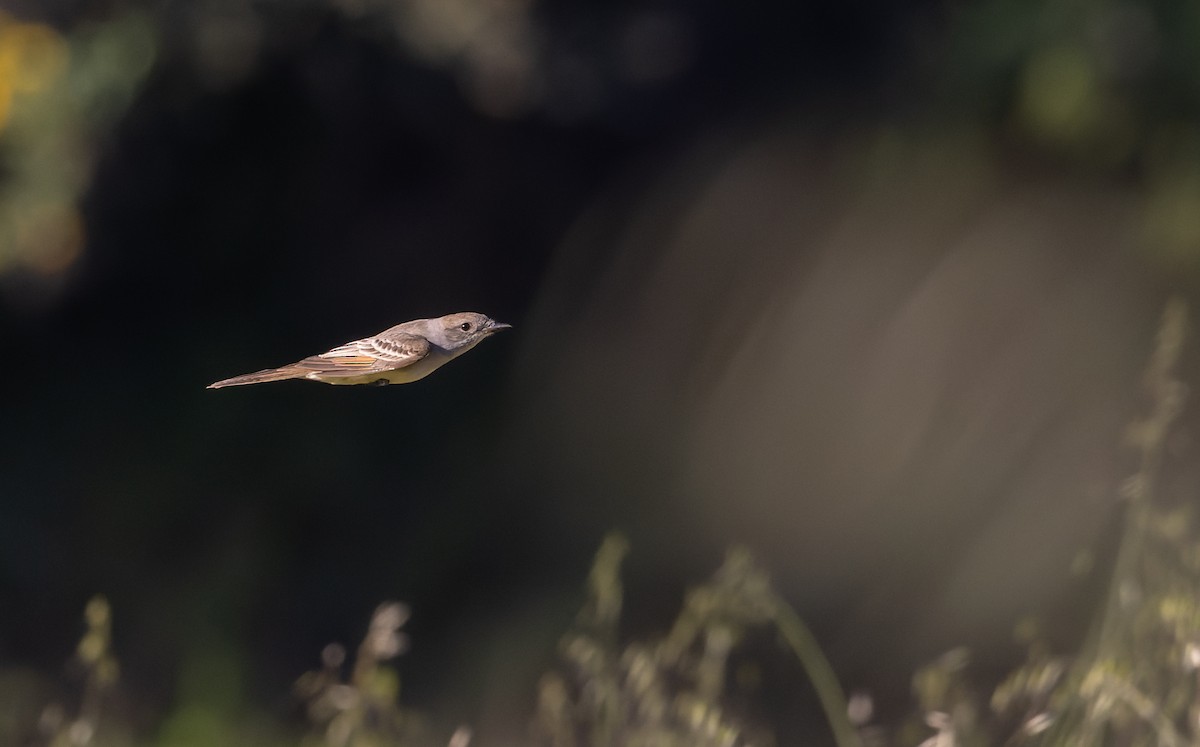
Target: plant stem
819 672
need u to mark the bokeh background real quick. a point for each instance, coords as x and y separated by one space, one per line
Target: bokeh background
866 286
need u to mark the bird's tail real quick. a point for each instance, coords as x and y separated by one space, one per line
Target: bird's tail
259 377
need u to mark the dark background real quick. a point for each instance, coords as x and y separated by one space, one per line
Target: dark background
283 177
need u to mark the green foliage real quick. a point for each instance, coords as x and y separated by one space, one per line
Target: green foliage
1107 86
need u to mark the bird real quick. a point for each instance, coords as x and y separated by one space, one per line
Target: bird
397 355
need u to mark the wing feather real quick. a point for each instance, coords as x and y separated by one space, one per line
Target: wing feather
368 355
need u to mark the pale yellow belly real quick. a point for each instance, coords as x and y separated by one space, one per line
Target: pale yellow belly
418 370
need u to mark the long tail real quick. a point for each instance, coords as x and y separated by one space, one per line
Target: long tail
259 377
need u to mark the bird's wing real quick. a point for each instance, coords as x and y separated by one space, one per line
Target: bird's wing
368 355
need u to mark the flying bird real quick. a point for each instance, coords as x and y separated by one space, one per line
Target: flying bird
398 355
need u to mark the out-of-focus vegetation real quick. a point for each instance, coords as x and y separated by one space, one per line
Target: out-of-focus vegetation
175 175
363 710
1134 681
672 691
97 668
1112 87
60 96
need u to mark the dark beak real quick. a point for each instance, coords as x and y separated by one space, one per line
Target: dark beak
497 326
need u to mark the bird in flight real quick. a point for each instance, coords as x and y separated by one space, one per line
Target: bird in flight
398 355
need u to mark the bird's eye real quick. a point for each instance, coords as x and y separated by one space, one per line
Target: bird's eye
465 326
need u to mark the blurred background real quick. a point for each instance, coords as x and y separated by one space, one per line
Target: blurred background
866 286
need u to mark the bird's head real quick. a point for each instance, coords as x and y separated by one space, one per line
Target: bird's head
463 330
